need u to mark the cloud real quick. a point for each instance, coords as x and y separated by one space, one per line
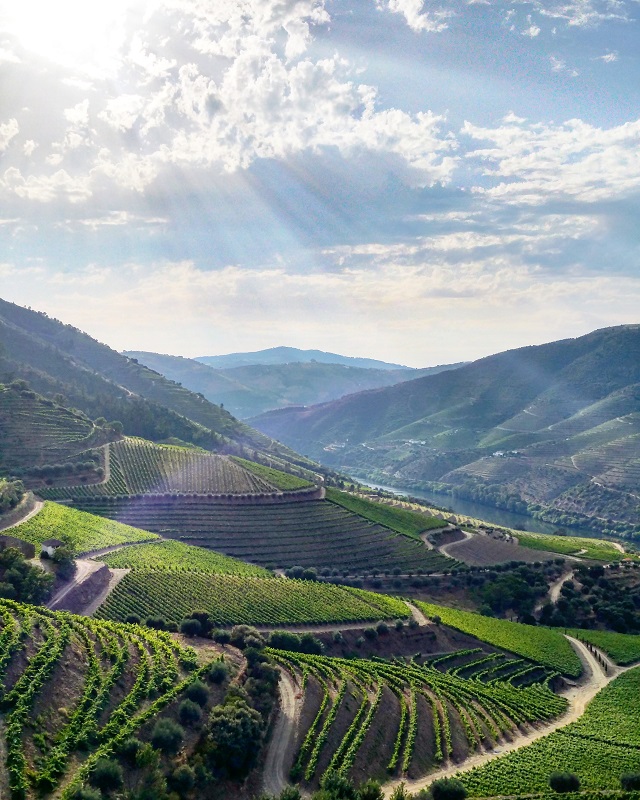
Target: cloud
416 17
608 58
534 163
8 131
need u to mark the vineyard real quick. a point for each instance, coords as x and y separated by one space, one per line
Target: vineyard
596 549
401 520
139 467
313 533
80 531
622 648
37 431
382 718
73 689
232 600
542 645
601 746
174 556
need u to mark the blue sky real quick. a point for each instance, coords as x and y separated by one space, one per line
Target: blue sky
418 182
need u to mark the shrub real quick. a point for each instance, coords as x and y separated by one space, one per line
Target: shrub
106 775
370 791
167 736
562 782
630 781
134 619
218 672
129 750
448 789
191 627
189 712
198 693
183 779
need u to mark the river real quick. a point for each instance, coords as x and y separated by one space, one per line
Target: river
494 516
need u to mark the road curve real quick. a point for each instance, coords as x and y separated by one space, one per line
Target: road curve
579 696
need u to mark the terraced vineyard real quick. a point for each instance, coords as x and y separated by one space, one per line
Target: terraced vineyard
596 549
411 523
139 467
543 645
412 717
232 600
175 556
283 481
37 431
600 747
622 648
311 533
80 531
119 677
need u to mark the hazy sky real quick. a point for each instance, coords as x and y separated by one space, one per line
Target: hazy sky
417 182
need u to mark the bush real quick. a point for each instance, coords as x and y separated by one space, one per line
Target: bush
87 794
158 623
129 750
191 627
167 736
562 782
133 619
630 781
218 672
221 636
198 693
370 791
189 712
448 789
183 779
337 786
106 775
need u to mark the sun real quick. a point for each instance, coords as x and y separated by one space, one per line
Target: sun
75 33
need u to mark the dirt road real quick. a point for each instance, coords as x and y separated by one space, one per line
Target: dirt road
554 590
275 778
83 570
36 508
447 548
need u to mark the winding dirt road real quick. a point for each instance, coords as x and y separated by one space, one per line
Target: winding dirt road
83 570
553 594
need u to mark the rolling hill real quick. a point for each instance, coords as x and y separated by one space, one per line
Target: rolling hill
553 430
250 389
290 355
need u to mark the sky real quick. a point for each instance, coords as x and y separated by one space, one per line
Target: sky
418 182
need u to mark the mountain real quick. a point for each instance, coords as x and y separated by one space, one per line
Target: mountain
552 429
67 366
254 388
291 355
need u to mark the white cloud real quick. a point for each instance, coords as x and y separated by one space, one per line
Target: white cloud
609 57
535 163
45 188
417 18
8 130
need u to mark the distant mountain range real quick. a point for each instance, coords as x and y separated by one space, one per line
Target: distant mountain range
553 430
251 389
292 355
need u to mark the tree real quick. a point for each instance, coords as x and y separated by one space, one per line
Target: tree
630 781
337 786
167 736
191 627
400 793
106 775
198 692
562 782
448 789
189 712
370 791
234 736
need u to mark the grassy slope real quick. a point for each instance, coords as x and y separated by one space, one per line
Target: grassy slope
281 480
175 556
410 523
82 532
233 600
597 549
542 645
623 648
598 748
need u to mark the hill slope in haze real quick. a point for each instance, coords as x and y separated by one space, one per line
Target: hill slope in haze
291 355
553 430
62 363
255 388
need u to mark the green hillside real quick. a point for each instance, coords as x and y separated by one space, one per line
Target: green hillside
542 645
603 745
80 531
232 600
312 533
552 430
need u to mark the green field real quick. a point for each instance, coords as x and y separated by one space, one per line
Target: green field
175 556
542 645
623 648
602 745
139 467
425 711
232 600
410 523
116 679
596 549
310 533
80 531
281 480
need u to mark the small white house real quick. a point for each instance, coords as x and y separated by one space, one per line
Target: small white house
49 546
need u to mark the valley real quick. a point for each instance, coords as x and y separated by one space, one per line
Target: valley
191 609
